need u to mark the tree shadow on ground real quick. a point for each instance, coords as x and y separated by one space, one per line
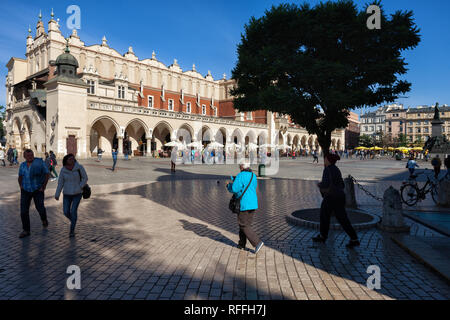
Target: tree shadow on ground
207 201
118 258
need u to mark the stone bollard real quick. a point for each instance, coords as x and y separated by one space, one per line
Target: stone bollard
350 197
392 212
443 191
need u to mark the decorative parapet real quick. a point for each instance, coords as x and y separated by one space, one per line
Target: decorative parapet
172 114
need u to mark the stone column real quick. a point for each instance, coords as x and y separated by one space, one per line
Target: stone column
120 149
149 147
443 193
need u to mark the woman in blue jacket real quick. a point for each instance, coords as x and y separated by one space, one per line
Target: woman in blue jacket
249 203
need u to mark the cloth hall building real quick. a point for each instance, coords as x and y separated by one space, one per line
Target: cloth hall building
71 98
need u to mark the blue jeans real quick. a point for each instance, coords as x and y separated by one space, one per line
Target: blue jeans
70 205
114 164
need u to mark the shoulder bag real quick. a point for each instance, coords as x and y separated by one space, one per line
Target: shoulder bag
86 189
235 203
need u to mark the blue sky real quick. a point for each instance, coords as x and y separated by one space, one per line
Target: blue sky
205 33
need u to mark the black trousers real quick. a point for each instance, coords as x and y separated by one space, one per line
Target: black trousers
245 220
25 202
336 205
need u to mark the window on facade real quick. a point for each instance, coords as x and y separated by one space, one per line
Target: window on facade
390 130
418 114
419 123
204 109
410 123
401 129
150 101
91 88
425 122
390 123
410 130
170 105
121 92
426 130
249 116
418 130
215 112
188 107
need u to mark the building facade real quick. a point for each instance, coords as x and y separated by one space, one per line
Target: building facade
418 122
352 132
69 97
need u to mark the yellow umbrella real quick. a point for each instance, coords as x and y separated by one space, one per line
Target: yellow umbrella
376 148
361 148
417 149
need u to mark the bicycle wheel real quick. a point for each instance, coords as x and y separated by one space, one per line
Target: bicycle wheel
410 194
434 194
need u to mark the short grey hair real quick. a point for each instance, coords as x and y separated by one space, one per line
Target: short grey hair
244 164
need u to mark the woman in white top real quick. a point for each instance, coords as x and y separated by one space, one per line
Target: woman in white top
173 158
2 156
72 179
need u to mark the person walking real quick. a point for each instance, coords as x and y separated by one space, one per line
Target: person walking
436 163
411 165
114 157
2 156
15 154
173 159
10 156
53 163
332 190
246 181
72 179
316 158
99 154
447 166
48 163
33 178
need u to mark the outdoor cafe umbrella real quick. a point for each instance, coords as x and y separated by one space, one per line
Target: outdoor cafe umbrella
215 145
283 146
361 148
233 145
252 146
195 144
176 144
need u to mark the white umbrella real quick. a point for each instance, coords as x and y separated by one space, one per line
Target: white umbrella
252 146
195 144
177 144
215 145
233 145
283 146
268 146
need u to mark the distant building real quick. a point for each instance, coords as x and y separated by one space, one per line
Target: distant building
352 131
375 122
418 122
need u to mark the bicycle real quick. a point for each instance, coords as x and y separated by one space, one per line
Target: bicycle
411 193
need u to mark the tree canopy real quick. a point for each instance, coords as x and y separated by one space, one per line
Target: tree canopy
317 63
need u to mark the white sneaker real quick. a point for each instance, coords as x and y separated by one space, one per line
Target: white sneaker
258 247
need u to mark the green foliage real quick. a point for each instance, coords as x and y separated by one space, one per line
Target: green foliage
317 63
366 141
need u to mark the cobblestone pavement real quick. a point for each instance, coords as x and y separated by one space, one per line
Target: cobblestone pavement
176 239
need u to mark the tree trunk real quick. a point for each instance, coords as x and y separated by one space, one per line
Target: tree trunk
324 142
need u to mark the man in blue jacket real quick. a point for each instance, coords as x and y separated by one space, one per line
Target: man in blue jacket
33 178
249 203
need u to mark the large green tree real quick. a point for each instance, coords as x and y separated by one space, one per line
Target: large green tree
317 63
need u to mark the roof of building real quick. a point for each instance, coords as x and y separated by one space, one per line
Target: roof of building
428 109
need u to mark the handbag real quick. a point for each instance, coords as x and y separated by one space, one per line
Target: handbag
86 189
235 203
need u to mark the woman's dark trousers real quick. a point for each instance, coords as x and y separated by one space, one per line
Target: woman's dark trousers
335 204
245 220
